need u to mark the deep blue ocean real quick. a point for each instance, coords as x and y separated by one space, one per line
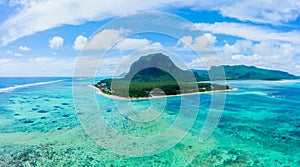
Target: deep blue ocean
54 122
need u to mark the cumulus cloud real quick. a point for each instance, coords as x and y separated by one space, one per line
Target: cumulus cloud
114 39
30 19
9 52
56 42
132 44
18 54
205 62
24 48
200 43
254 33
155 47
240 46
105 39
79 42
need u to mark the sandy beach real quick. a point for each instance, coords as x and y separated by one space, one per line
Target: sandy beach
153 97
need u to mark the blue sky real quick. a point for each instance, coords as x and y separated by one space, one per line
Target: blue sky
44 37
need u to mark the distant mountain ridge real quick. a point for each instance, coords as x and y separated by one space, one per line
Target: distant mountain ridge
243 72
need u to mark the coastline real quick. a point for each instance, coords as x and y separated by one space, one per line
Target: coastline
99 91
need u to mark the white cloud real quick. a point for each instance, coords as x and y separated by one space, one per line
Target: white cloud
250 32
245 47
9 52
40 66
155 47
270 11
240 46
79 42
132 44
24 48
41 59
108 37
18 54
205 62
105 39
111 66
36 16
5 61
56 42
200 43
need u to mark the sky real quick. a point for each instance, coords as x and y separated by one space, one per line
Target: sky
45 37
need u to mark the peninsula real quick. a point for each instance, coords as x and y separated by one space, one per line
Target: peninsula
155 75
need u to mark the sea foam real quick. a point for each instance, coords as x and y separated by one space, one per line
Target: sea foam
11 88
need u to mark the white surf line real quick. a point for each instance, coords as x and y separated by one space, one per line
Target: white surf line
11 88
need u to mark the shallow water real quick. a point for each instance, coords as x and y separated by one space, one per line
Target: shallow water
40 126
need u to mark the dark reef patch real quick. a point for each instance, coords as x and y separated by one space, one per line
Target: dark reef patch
170 112
26 121
42 111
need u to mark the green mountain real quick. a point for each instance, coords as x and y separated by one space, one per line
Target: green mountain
242 72
158 68
155 71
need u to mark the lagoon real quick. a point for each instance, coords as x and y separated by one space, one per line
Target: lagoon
40 126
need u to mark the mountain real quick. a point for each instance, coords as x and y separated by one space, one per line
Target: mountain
202 74
242 72
122 75
158 68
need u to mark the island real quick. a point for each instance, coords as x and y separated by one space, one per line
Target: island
155 75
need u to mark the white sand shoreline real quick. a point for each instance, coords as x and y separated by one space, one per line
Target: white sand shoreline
99 91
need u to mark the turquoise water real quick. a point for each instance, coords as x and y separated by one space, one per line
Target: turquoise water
40 126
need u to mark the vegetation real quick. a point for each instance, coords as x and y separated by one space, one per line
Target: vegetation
121 88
